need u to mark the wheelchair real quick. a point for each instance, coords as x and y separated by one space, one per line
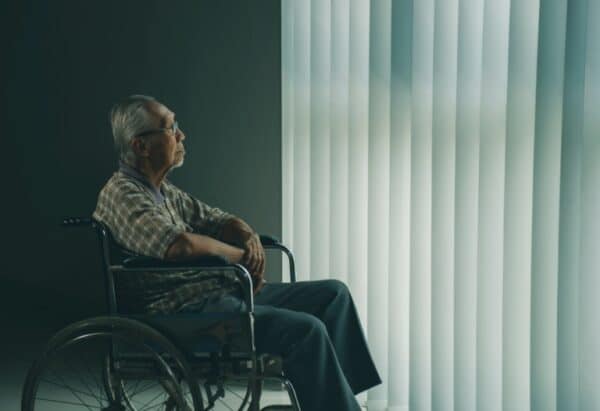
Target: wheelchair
181 361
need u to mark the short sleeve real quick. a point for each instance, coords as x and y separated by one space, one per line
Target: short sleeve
135 220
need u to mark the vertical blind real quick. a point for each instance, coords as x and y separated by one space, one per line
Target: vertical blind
442 157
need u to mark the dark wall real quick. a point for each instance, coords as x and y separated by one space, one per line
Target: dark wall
215 63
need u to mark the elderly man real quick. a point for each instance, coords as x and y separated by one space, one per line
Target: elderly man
313 325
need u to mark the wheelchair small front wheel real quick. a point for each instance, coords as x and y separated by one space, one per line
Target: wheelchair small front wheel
110 364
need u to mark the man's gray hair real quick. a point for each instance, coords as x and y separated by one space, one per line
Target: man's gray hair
128 118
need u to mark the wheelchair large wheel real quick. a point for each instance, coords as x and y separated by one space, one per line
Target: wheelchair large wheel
110 364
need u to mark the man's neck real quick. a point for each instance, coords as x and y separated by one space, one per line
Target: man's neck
154 177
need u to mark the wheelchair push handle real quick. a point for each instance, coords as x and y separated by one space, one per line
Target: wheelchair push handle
76 222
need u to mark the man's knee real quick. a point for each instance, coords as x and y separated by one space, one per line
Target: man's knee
310 326
337 288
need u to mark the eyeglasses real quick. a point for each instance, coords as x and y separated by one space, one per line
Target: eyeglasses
173 129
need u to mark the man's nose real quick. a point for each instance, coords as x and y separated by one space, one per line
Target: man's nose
180 135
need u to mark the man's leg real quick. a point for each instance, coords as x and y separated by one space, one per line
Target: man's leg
309 359
331 302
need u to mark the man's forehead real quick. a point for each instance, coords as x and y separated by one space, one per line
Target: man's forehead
161 111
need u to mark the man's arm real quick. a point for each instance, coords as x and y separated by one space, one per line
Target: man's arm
189 245
235 231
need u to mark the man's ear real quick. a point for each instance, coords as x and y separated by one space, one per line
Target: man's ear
140 147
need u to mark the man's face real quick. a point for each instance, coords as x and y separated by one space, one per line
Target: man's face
165 149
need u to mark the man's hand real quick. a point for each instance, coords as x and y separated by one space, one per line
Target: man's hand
237 232
254 261
254 256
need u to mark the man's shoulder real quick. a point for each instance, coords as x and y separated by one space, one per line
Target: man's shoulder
119 193
118 197
119 183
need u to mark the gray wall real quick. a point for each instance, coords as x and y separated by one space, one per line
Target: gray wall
215 63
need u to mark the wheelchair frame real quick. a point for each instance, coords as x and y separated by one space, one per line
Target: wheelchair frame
176 364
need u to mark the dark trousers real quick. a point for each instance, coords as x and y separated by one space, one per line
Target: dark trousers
314 326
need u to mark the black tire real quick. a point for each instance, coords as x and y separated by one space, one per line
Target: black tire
77 370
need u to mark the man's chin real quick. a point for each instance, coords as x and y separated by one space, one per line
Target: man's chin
176 165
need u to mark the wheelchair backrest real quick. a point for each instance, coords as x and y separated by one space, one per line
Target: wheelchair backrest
112 254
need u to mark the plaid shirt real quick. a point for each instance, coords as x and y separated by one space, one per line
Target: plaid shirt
146 221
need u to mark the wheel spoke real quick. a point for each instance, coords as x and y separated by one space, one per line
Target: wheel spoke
151 401
233 392
94 377
131 395
134 400
135 387
89 406
225 404
67 387
75 394
82 381
145 388
158 405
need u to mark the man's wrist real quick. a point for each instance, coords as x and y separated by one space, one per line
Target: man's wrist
236 231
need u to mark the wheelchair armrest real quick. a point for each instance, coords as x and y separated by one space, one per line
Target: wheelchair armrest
149 262
268 240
